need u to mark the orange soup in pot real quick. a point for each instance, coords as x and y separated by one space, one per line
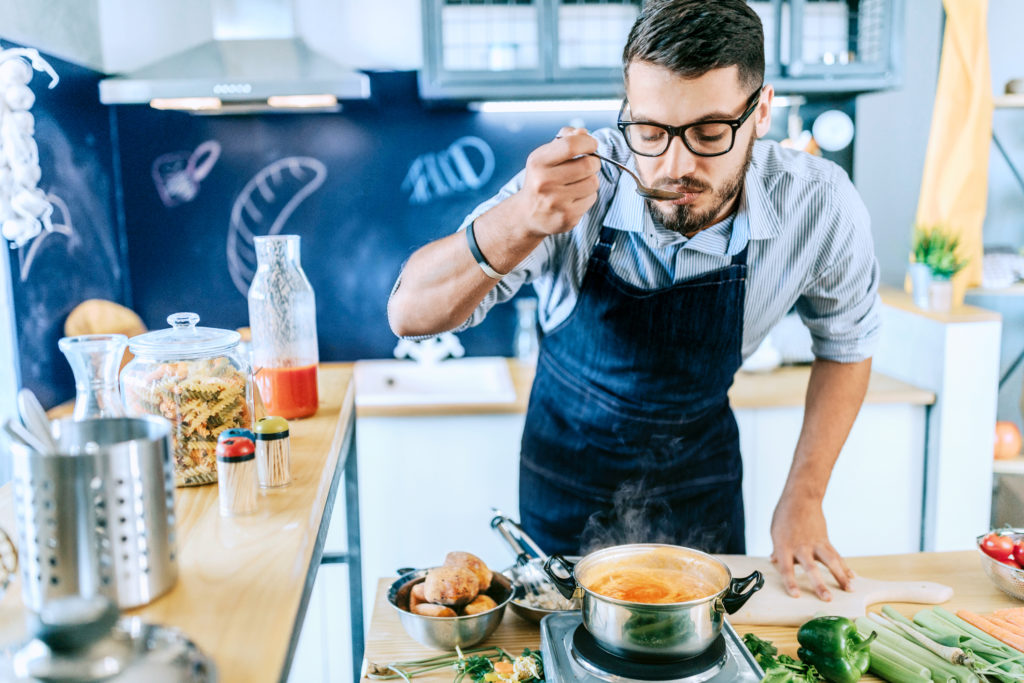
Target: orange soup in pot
638 579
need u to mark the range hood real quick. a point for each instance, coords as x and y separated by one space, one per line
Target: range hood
255 62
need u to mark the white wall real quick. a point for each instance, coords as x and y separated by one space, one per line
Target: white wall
364 34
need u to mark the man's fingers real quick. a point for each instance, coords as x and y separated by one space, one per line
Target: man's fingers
836 565
565 147
810 566
784 563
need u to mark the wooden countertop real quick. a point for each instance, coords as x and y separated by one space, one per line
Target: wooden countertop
387 641
244 582
897 298
782 388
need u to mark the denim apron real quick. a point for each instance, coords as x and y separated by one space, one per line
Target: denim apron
629 435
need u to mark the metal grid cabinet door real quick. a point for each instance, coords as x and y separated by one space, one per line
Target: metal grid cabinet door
589 38
844 45
475 48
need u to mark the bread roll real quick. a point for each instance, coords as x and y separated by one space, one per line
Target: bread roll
416 596
473 564
481 603
452 586
427 609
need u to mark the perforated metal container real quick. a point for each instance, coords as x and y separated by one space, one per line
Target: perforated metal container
98 518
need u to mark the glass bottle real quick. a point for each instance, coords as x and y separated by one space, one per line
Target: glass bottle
526 342
282 316
95 360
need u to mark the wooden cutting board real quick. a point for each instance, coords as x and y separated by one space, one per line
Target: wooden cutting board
772 605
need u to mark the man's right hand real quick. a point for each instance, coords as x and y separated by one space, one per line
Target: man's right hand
560 185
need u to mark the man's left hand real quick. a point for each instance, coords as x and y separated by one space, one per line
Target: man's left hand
799 536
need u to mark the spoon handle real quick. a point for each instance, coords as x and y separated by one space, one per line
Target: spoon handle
34 417
18 432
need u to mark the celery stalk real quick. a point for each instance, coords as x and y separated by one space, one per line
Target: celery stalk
890 670
895 657
942 671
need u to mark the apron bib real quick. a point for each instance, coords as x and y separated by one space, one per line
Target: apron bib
629 437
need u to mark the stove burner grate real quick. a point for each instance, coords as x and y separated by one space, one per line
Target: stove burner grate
603 664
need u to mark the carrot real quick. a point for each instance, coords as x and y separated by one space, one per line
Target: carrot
1016 620
978 621
503 667
1003 622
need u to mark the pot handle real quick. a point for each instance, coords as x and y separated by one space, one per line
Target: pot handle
735 597
565 585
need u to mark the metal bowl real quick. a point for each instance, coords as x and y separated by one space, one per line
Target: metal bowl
444 633
524 609
1006 578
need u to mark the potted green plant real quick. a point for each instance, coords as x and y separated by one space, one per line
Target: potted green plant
941 258
919 270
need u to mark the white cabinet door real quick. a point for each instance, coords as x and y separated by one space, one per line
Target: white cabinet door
874 501
427 486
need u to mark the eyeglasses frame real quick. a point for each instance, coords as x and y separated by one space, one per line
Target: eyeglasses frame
679 131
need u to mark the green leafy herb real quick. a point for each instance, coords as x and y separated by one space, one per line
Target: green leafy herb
779 668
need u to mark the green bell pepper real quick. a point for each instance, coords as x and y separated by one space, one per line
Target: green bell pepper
834 647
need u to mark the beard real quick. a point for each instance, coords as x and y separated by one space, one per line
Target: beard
687 221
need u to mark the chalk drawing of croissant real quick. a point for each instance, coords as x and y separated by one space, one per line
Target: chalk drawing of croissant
263 208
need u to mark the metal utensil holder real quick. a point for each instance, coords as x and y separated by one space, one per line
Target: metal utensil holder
99 516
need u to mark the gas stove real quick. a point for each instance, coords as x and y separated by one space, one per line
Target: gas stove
571 655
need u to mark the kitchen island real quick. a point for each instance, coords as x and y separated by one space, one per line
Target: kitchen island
387 641
244 582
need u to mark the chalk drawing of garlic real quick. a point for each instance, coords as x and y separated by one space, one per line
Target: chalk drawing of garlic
24 209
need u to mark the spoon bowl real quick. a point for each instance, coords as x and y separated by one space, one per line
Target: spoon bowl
641 189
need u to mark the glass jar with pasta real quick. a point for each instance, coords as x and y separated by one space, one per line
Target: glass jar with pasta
197 378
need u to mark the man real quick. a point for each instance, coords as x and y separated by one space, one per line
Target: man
648 307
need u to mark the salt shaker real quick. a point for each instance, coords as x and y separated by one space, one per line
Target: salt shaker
273 452
236 476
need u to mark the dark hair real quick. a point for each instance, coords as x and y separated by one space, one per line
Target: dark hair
692 37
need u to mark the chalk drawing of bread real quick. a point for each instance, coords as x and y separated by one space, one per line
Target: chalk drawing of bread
264 206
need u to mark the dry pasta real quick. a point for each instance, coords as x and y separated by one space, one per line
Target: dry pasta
201 398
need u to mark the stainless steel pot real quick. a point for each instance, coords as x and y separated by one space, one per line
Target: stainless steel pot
654 631
444 633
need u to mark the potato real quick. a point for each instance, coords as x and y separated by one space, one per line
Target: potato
427 609
416 596
451 586
481 603
473 564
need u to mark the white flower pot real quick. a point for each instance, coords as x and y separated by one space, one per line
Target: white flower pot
920 281
940 295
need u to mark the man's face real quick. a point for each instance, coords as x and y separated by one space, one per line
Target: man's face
712 184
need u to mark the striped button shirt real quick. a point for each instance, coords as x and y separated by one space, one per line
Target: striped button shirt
807 228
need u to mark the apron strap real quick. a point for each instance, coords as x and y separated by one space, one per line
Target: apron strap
740 259
603 249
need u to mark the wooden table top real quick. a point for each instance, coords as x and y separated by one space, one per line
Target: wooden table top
387 641
242 580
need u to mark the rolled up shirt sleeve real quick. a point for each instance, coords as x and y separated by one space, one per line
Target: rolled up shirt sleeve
506 288
839 303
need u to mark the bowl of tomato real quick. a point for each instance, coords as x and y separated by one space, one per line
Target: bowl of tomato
1002 557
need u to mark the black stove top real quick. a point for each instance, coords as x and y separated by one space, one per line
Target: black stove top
571 654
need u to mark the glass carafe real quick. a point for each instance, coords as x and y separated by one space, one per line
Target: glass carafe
95 360
527 343
282 317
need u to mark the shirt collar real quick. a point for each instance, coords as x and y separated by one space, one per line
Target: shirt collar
755 218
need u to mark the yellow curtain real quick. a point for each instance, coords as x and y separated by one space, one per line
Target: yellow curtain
954 187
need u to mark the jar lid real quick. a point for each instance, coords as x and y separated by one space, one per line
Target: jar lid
184 340
236 431
270 427
235 449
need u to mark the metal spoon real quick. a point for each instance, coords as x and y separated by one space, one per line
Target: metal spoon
18 432
641 189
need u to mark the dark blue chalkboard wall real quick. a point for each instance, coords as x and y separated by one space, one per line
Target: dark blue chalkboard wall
83 257
367 186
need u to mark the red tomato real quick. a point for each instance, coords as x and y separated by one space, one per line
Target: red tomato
1018 550
997 547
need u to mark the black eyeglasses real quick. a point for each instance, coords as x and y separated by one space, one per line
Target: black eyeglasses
703 138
